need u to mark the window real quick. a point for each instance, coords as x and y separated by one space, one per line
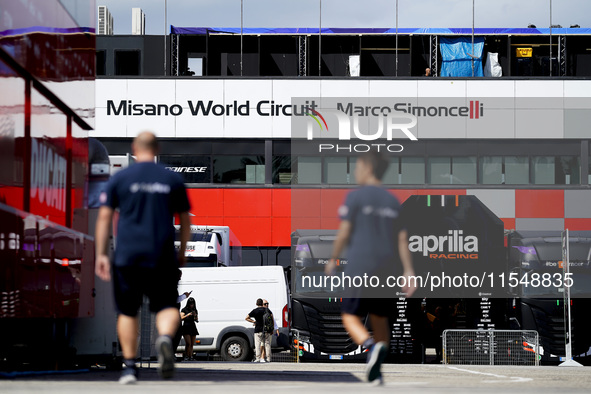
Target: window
282 170
452 170
194 66
516 170
556 170
405 171
309 170
336 170
439 171
101 61
412 170
392 175
239 169
127 62
500 170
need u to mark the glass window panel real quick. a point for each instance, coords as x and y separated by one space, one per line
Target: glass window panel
238 169
255 173
336 170
282 169
568 170
491 170
438 170
464 170
391 177
516 170
309 170
543 167
412 170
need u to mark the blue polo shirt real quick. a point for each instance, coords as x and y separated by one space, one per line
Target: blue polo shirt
147 196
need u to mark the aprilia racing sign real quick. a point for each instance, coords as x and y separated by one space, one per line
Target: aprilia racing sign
453 245
455 236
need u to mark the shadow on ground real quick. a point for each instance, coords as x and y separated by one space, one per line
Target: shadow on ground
196 375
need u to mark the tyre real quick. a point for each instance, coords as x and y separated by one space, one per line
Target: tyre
235 349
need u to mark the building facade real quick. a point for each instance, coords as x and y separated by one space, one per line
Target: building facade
520 144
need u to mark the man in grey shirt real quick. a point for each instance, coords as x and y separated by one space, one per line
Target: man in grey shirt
372 228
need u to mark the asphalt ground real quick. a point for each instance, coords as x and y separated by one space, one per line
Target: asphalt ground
277 377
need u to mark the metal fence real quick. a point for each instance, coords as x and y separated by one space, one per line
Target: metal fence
491 347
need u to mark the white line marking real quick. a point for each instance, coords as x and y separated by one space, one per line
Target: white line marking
504 379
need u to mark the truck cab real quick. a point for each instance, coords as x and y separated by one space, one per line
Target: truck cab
540 306
211 246
316 322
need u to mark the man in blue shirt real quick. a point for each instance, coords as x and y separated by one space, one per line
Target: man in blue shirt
147 196
373 230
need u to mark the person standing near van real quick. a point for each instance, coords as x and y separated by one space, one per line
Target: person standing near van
147 196
189 316
269 327
372 228
259 333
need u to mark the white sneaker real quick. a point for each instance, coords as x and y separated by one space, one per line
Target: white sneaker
128 376
263 361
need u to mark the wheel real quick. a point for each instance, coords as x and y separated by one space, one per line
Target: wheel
235 349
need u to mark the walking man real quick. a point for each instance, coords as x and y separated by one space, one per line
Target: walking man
377 242
147 196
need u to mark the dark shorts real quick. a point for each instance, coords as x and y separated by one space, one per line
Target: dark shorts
363 306
132 283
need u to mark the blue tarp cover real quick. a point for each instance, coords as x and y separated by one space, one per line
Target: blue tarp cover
455 56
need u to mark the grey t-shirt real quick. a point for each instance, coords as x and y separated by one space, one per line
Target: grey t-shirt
375 216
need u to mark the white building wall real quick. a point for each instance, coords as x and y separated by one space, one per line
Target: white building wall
511 109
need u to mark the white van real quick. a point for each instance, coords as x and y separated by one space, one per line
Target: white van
224 296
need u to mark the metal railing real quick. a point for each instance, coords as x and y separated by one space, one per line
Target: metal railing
491 347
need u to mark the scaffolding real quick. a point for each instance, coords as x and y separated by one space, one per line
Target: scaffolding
174 55
302 55
433 53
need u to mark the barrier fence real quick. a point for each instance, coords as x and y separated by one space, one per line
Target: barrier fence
491 347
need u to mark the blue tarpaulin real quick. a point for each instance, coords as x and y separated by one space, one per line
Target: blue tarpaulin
455 56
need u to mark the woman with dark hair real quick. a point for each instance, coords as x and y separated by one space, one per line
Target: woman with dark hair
189 316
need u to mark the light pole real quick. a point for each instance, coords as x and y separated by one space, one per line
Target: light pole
472 39
165 23
241 32
550 38
472 56
396 37
320 40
